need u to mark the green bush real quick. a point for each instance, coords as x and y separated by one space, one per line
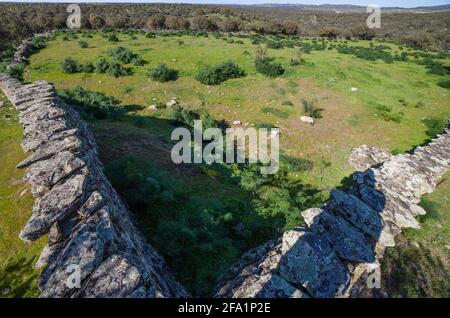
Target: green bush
274 45
434 125
102 65
112 37
83 44
91 104
269 68
163 74
444 84
214 75
111 68
180 115
87 67
16 71
70 66
126 56
36 44
117 70
437 69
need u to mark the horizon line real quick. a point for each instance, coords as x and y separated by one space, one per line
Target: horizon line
224 3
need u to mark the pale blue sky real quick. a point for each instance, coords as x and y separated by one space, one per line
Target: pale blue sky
383 3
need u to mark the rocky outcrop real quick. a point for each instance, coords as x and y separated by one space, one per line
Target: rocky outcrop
90 233
343 243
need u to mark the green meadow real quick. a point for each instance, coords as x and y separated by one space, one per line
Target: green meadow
349 119
18 278
202 218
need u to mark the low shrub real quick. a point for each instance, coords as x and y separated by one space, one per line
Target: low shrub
112 37
180 115
36 44
83 44
444 84
102 65
87 68
111 68
214 75
91 104
435 125
126 56
117 70
268 68
274 45
16 71
162 73
70 66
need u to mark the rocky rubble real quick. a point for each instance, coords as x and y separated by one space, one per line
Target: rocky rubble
344 240
89 228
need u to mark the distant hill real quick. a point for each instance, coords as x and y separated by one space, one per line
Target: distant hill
350 8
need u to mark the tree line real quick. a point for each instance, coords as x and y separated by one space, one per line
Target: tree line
426 31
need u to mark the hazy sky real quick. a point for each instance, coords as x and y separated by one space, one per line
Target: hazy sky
383 3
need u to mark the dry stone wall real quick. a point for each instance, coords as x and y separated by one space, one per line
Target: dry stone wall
340 249
89 228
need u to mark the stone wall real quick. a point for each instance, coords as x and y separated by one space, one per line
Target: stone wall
89 228
340 250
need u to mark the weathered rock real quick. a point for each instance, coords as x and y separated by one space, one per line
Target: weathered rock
307 119
115 277
55 205
89 228
348 243
364 157
171 103
309 261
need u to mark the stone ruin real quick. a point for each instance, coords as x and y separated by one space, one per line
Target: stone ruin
90 227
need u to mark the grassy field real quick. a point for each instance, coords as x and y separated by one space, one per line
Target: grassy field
419 265
349 119
17 276
201 218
